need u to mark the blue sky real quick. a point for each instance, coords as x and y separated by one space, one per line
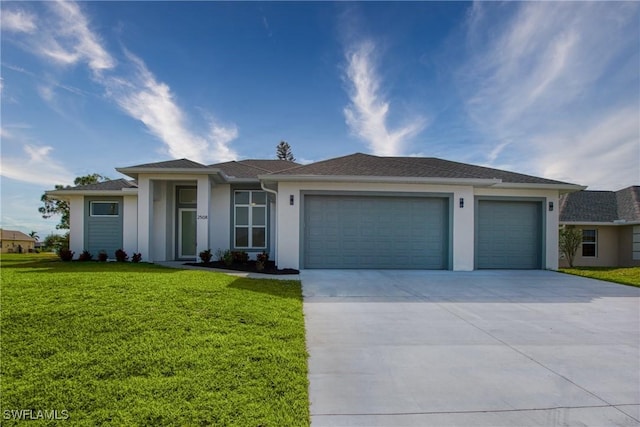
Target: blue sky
547 88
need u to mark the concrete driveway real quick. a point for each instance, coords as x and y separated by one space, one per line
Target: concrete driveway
420 348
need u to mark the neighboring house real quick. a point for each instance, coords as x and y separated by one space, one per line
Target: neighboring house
13 241
610 224
356 211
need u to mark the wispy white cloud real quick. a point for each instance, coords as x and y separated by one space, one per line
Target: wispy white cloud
18 21
554 84
68 39
589 153
72 41
36 166
152 102
368 112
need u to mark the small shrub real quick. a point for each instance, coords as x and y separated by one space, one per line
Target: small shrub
206 256
102 256
121 256
569 241
240 257
66 254
85 256
261 261
227 258
136 257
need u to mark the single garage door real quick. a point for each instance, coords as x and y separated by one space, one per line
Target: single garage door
509 234
376 232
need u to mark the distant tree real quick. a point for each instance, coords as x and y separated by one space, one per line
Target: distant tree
570 241
34 235
53 206
55 242
283 152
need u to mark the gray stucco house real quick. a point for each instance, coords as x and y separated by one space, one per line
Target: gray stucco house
355 211
610 225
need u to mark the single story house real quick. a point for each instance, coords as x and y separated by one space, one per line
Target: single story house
610 224
356 211
13 241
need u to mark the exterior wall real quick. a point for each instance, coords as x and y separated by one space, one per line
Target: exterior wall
606 250
76 222
626 246
11 246
130 224
615 247
203 214
220 218
462 239
103 234
145 210
158 246
156 213
288 216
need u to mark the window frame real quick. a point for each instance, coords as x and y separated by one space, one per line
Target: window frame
250 226
593 243
92 202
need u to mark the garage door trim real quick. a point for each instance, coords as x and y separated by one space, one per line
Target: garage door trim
543 223
400 194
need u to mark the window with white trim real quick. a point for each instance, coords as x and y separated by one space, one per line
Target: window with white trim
250 219
589 243
104 208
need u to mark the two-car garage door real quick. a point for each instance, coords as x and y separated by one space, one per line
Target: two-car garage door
376 232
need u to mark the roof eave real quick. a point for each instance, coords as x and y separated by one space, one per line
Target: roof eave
68 193
616 223
134 172
562 187
380 179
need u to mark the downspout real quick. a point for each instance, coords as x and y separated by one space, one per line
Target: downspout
275 196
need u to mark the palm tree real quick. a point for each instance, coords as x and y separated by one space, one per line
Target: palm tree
34 235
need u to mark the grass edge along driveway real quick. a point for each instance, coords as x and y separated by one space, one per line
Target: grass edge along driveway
139 344
623 275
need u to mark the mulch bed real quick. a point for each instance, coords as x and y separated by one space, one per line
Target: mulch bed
270 267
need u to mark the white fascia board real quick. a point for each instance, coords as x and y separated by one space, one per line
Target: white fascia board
565 188
380 179
234 180
134 172
69 193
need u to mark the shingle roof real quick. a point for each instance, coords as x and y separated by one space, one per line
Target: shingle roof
601 206
111 185
171 164
14 235
270 165
252 168
628 200
360 164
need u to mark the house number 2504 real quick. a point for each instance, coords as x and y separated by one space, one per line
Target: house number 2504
202 216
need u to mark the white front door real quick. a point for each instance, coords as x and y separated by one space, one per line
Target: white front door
186 233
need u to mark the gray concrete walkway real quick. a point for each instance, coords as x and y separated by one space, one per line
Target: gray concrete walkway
491 348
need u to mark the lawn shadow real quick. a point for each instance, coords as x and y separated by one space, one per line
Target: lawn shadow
57 266
291 289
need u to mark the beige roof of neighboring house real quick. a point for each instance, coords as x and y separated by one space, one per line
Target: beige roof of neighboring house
15 235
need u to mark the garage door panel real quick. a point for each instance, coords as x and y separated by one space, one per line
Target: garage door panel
509 234
375 232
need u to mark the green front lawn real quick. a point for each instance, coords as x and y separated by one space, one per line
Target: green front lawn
139 344
626 276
